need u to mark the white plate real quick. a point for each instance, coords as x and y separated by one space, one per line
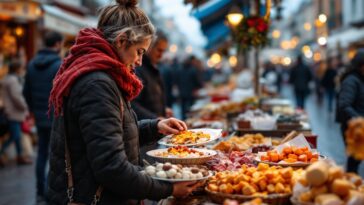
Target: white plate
214 134
184 180
208 154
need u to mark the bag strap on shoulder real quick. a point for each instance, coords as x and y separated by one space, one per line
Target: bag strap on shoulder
70 185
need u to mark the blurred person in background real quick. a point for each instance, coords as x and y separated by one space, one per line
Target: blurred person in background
328 82
350 101
95 130
168 72
16 110
318 73
151 102
188 80
273 78
41 71
300 77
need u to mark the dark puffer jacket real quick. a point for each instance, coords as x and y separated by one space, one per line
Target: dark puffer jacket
350 102
104 147
151 102
38 84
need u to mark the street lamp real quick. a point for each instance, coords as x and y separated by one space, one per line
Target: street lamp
322 41
234 16
322 18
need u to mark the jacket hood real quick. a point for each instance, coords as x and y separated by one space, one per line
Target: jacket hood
45 58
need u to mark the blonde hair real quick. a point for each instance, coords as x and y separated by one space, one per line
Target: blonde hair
125 21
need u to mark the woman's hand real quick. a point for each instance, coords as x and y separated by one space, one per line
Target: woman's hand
171 126
184 189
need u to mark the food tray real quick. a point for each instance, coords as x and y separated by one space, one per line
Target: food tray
272 199
183 161
297 164
214 135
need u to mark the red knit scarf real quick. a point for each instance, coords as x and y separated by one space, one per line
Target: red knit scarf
90 53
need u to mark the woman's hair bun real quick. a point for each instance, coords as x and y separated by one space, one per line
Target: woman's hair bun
127 3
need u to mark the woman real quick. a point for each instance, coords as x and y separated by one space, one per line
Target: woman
351 99
15 109
93 90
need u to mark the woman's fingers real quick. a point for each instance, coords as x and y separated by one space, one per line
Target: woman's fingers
178 124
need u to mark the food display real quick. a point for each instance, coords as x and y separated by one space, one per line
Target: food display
260 148
290 154
355 138
286 110
232 161
258 120
173 172
189 137
180 151
182 155
254 181
324 183
218 111
242 143
289 122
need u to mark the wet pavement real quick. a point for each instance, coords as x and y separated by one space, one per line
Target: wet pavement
17 183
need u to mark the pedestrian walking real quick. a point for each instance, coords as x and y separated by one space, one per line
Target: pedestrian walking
328 83
300 78
41 71
15 109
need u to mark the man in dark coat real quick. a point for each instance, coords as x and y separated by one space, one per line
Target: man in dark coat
151 103
168 72
300 78
38 84
188 80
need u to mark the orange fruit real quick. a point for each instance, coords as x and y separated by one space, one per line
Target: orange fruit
264 158
302 158
293 156
298 151
309 155
274 157
287 150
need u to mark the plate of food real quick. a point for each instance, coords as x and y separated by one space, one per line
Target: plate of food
193 137
290 156
182 155
176 172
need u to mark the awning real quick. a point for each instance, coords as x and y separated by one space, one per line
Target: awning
215 33
20 10
345 38
210 8
212 15
65 22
